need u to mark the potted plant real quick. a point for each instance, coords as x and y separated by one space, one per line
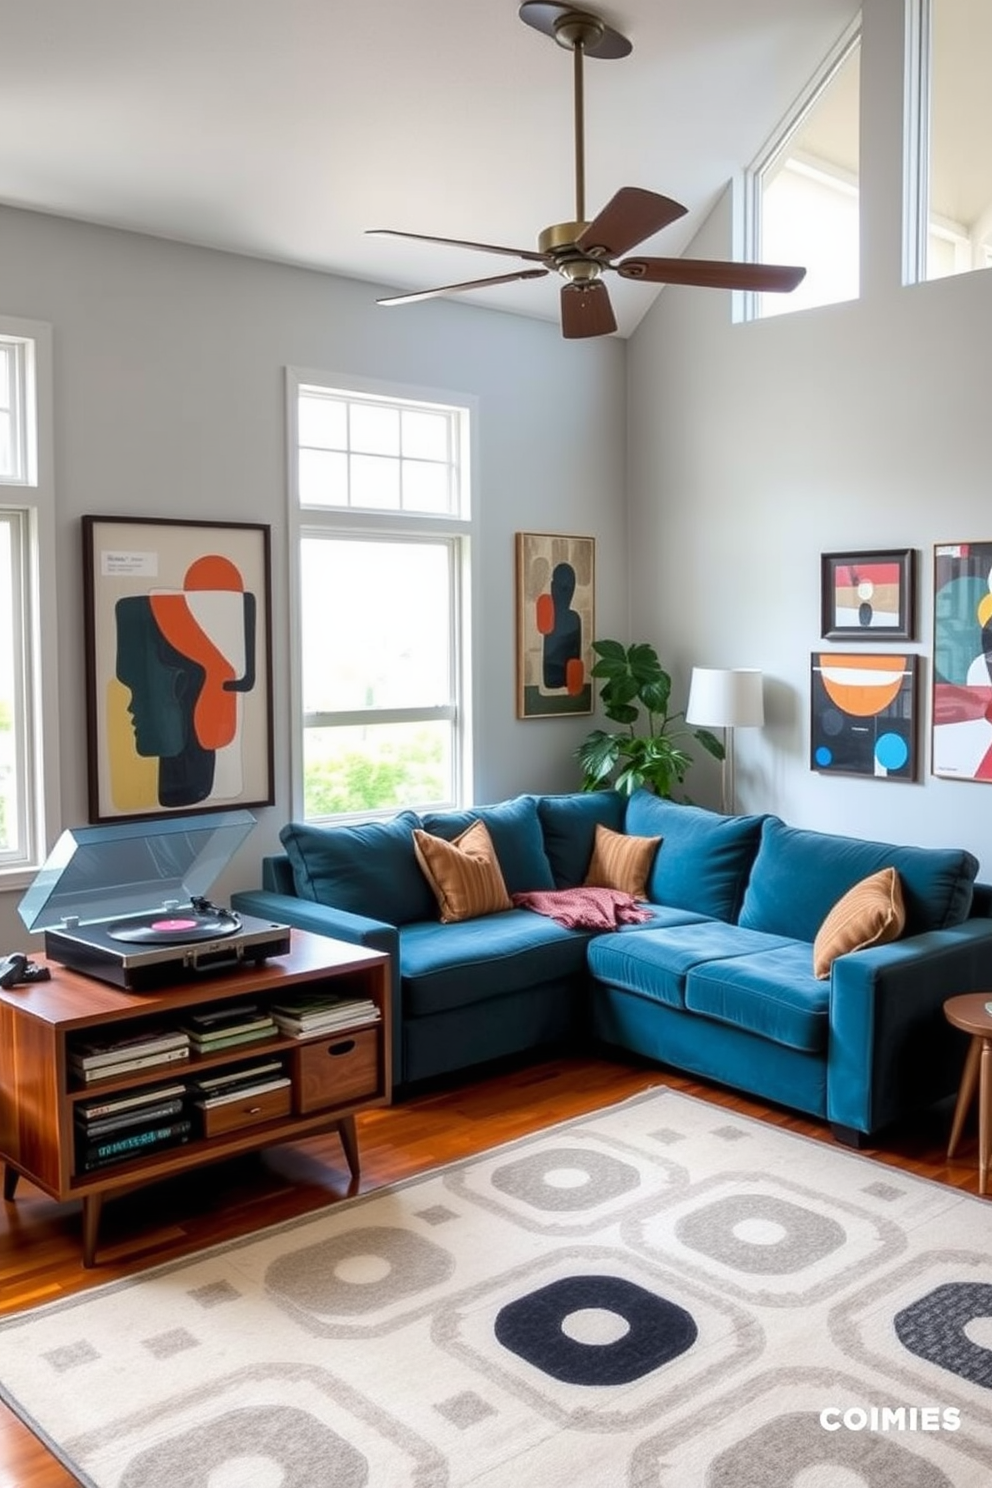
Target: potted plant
634 679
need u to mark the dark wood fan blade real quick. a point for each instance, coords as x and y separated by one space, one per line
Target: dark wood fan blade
443 289
626 220
586 310
391 232
712 274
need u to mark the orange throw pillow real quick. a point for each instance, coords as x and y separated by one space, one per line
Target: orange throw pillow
464 874
872 913
621 862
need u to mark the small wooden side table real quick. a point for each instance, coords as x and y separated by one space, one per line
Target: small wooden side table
970 1014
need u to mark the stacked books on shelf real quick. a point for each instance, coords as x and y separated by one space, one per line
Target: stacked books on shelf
227 1027
108 1059
130 1124
225 1086
307 1017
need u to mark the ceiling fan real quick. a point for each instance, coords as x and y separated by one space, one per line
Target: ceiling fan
581 251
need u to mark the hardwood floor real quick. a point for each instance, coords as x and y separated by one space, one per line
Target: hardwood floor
40 1240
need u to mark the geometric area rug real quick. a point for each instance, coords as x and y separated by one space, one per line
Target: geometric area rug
658 1295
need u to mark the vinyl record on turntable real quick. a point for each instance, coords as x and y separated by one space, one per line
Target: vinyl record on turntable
179 927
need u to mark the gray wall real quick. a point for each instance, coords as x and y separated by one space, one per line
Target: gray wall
169 401
754 448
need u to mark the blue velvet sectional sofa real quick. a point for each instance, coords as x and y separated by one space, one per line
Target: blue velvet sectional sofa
718 982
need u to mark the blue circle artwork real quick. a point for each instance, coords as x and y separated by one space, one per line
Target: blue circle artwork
823 755
891 751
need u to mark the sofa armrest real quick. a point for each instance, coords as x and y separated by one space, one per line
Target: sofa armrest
891 1049
339 924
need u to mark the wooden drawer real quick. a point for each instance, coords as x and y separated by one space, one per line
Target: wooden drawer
250 1110
337 1071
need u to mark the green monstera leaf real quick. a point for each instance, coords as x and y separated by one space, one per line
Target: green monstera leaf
634 682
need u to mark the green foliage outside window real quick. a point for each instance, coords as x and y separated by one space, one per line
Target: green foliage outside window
381 775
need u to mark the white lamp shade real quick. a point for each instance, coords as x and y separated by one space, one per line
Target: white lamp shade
722 698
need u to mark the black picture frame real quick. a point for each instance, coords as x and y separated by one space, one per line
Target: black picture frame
864 714
177 632
868 595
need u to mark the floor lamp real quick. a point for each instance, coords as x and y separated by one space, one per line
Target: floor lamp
727 699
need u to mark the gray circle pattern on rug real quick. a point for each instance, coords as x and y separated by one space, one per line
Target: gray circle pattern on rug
302 1451
777 1454
325 1279
933 1328
600 1178
807 1237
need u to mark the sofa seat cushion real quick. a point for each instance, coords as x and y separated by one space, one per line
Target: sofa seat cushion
516 835
655 963
569 825
448 966
704 859
772 993
799 876
370 869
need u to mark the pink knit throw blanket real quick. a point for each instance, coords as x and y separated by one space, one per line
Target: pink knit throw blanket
584 908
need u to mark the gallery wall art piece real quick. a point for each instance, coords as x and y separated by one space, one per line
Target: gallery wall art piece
555 624
178 666
868 596
962 661
863 713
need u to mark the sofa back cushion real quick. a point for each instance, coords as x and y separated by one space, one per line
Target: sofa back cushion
704 859
516 836
569 825
800 875
370 869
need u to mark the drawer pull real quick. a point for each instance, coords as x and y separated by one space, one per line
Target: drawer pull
345 1047
252 1110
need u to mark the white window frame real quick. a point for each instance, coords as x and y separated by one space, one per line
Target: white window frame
27 496
970 250
747 303
459 530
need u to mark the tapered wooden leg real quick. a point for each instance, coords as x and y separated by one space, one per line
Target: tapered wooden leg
92 1206
10 1177
985 1115
348 1132
969 1078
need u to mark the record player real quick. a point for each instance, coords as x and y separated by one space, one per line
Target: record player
127 902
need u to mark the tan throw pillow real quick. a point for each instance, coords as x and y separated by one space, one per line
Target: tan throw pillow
464 874
621 862
872 913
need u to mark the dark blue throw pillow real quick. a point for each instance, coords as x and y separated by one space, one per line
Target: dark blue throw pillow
370 869
516 838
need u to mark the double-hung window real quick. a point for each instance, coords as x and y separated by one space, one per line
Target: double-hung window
28 772
380 514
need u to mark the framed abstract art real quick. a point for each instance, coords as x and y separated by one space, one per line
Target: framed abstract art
555 624
868 596
178 666
961 709
863 714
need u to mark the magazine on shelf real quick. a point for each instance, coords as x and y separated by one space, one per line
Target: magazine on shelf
351 1014
112 1051
136 1117
238 1075
127 1066
129 1100
232 1040
117 1149
228 1095
216 1018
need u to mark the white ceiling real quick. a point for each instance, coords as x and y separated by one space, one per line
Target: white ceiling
285 128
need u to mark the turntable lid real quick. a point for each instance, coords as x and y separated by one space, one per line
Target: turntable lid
99 873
